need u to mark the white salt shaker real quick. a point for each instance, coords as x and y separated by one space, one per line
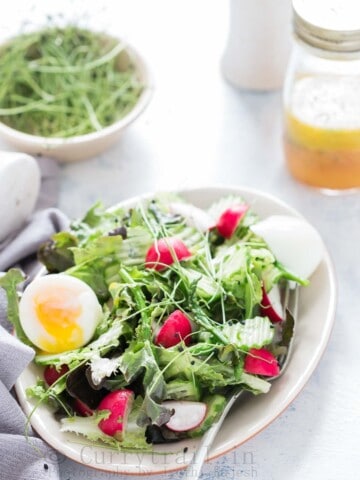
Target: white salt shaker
259 43
19 190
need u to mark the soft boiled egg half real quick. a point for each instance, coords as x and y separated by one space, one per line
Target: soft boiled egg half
294 242
59 313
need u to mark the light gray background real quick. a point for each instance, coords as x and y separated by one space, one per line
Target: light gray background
199 130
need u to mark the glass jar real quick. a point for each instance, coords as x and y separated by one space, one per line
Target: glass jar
322 95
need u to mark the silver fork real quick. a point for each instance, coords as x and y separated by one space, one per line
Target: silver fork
290 304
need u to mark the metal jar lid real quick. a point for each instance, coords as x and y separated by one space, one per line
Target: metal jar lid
331 25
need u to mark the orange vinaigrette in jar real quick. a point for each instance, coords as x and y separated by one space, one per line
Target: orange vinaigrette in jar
322 95
322 132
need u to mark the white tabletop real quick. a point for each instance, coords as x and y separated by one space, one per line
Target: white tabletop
199 130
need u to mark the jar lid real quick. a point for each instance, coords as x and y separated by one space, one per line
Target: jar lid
332 25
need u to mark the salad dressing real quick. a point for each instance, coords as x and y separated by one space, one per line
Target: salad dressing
322 131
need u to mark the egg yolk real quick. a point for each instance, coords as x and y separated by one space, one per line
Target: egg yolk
58 313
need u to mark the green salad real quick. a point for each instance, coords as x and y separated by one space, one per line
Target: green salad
186 308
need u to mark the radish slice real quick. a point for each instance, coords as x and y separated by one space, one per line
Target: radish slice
187 415
177 327
293 241
260 361
230 219
52 374
271 305
165 251
194 216
119 404
82 409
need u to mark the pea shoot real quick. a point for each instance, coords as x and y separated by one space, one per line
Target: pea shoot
63 82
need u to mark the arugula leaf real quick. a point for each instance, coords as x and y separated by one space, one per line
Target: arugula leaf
9 283
101 247
138 360
207 372
97 222
92 273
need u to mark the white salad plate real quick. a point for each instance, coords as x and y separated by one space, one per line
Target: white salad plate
251 415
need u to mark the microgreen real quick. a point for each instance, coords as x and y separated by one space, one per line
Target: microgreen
62 82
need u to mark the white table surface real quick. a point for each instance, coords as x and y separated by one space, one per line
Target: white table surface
199 130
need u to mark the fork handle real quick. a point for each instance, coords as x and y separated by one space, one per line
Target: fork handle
193 470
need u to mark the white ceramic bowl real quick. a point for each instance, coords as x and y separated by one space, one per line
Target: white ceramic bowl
251 414
85 146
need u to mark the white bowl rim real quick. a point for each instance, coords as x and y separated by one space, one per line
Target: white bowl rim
52 142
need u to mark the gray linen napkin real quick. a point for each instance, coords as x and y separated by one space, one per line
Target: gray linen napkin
25 457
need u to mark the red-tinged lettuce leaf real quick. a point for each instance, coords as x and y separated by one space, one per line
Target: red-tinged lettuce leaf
56 253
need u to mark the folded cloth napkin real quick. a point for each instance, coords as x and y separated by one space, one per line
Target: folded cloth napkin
23 456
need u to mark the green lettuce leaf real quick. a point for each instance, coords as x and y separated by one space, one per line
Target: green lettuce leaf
9 282
253 333
255 384
89 428
138 360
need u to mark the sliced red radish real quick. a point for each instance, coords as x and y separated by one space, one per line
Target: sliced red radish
52 373
82 409
119 404
166 251
187 415
177 327
194 216
260 361
271 306
230 219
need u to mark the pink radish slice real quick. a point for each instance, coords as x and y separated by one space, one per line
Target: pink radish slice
260 361
177 327
82 409
165 251
51 374
271 305
187 415
230 219
119 404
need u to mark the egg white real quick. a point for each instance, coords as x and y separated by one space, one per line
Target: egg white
75 293
294 242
